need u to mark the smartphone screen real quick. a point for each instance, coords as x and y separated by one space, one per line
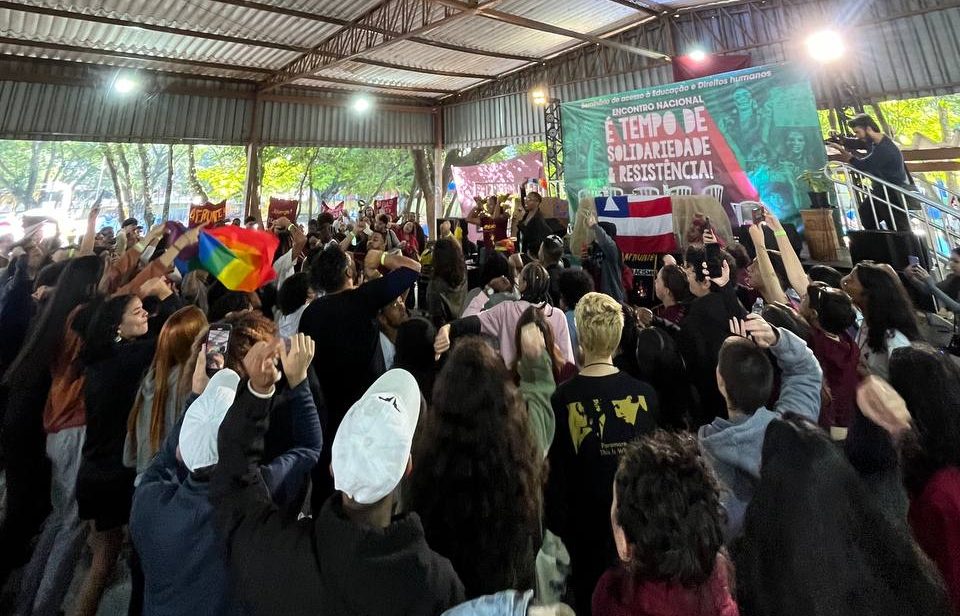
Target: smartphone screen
758 215
714 266
218 340
913 260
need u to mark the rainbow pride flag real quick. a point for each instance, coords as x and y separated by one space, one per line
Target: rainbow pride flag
241 259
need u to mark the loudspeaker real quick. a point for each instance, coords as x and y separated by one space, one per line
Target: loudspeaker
892 247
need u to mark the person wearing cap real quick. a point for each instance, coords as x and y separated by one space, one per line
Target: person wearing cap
355 557
172 521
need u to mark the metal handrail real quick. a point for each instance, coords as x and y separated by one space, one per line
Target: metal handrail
942 229
935 191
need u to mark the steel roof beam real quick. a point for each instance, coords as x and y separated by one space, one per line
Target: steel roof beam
131 55
401 19
372 86
644 5
531 24
425 71
226 38
327 19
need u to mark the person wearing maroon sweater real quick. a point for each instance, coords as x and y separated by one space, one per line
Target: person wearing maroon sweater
918 409
830 314
666 521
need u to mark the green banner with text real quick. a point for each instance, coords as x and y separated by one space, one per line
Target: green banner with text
741 136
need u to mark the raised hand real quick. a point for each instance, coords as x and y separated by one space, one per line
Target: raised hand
260 364
881 404
755 328
156 287
441 344
296 360
200 377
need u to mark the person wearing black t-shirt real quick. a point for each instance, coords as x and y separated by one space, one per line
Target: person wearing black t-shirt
532 228
343 322
884 160
598 413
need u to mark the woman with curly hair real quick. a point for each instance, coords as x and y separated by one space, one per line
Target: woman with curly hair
477 480
667 527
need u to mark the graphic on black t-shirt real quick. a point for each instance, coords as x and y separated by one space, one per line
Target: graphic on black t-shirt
606 424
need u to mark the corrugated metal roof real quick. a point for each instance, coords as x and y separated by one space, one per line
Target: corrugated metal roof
126 63
486 33
425 56
203 16
294 124
576 15
319 82
36 110
350 9
376 75
44 28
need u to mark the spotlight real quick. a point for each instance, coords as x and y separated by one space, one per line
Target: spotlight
361 104
825 46
698 55
124 85
539 96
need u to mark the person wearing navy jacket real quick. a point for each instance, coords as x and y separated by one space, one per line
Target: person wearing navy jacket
172 522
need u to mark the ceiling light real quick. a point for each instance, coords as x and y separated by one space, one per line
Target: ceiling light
124 85
825 46
362 103
539 96
697 55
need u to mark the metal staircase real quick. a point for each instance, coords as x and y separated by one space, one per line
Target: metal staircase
936 219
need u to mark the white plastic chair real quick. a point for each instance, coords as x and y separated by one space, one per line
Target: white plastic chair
647 191
715 191
680 191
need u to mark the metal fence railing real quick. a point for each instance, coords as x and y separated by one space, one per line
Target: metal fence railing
936 221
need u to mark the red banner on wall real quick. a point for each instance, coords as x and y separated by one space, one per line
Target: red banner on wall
283 208
335 211
685 67
386 206
211 213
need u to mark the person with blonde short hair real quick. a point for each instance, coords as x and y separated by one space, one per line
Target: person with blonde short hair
599 320
599 412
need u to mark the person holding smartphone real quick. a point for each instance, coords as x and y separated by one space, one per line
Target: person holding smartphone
947 291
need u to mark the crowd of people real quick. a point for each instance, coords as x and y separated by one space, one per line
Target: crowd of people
402 425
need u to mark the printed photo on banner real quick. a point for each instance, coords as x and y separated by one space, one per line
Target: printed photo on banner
741 136
386 206
211 213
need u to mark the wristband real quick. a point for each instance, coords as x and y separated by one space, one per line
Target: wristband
291 227
780 233
140 246
383 257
